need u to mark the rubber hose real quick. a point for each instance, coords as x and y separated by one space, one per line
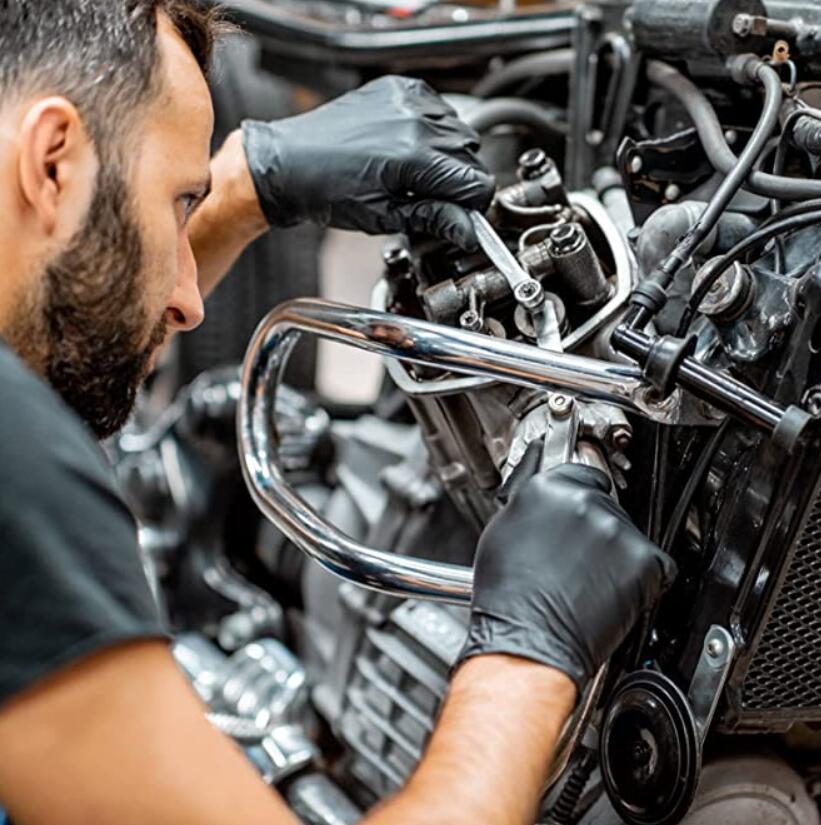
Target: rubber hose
715 145
529 67
513 111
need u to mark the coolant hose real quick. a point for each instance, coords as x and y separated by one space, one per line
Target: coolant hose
715 145
529 67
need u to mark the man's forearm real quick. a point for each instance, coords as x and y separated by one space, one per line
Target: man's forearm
490 754
230 218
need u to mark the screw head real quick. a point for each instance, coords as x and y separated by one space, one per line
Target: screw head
529 294
470 320
715 648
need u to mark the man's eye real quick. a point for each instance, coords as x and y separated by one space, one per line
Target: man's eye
189 204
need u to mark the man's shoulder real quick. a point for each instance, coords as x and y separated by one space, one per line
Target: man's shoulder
37 429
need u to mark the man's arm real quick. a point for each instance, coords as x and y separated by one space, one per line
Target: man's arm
487 760
121 738
229 219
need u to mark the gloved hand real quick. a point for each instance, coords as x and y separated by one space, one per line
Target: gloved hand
389 157
562 575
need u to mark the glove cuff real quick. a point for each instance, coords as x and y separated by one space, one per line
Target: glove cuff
261 142
490 634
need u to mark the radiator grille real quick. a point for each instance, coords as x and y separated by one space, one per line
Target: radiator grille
785 672
399 679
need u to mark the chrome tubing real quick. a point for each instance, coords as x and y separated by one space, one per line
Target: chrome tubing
411 340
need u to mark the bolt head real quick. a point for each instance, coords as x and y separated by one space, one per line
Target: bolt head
622 437
560 405
529 294
470 320
672 192
565 237
715 648
533 163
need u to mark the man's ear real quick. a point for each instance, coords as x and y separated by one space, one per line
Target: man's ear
57 166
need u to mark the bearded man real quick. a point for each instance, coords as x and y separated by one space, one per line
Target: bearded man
108 239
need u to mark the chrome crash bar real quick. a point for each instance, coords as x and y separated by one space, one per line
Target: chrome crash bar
415 341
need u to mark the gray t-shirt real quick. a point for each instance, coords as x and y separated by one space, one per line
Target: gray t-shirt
71 579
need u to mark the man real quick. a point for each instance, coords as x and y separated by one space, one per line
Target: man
105 122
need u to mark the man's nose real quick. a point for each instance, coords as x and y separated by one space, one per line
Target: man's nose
185 308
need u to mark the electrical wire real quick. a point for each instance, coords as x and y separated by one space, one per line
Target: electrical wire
727 190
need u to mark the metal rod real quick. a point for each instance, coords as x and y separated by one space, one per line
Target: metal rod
411 340
721 390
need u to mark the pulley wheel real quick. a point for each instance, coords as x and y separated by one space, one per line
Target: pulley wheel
650 750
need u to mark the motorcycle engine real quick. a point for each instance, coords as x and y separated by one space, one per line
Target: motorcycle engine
717 696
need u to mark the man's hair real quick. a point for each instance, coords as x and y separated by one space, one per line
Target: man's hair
103 55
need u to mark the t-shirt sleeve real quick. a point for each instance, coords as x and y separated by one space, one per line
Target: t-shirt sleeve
71 578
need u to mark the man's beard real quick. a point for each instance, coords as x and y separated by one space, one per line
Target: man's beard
88 332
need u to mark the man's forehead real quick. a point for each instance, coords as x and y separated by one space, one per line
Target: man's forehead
183 108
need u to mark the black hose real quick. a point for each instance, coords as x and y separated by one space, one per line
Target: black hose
715 145
754 242
686 247
513 111
778 167
529 67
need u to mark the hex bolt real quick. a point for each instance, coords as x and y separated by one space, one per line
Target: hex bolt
715 648
622 437
560 405
566 237
470 320
533 164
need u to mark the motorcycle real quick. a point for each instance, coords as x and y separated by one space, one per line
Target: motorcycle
645 300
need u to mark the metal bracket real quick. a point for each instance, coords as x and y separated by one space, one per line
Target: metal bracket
561 433
711 674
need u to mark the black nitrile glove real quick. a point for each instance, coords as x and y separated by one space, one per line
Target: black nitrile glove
389 157
562 575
